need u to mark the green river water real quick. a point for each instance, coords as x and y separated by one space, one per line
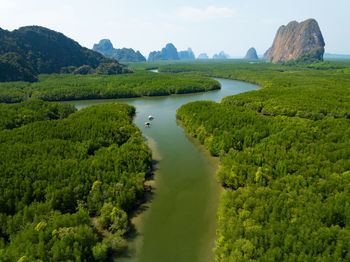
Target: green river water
178 221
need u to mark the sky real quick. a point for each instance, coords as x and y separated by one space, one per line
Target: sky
206 26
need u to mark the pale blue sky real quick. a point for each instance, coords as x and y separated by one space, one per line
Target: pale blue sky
205 26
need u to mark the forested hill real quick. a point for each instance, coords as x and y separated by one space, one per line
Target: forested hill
33 50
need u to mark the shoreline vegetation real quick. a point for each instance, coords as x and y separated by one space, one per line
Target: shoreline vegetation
69 180
64 87
284 151
106 177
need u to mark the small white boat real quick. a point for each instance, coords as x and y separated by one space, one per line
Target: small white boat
150 117
147 124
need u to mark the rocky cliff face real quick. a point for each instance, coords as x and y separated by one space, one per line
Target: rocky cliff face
154 56
103 46
266 53
221 55
187 55
251 54
129 55
297 41
169 52
203 56
106 48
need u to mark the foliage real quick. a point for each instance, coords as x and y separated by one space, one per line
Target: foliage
290 91
315 55
83 70
326 65
113 219
16 115
285 160
13 92
14 68
68 69
58 176
111 69
71 87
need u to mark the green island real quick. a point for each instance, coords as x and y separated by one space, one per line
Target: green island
285 160
61 87
69 178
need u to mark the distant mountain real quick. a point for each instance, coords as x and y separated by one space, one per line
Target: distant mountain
129 55
106 48
169 52
298 41
187 55
155 56
32 50
251 54
336 56
203 56
221 55
266 53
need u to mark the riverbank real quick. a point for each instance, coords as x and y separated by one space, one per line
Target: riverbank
284 161
179 222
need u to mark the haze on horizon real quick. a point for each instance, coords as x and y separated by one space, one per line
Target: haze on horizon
206 26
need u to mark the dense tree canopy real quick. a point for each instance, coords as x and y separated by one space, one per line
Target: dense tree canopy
68 184
14 67
285 155
16 115
69 179
57 87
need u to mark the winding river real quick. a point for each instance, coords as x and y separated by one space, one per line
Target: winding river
179 220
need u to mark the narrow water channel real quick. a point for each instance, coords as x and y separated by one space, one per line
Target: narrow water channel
179 221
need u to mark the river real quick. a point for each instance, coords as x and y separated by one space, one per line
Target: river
178 222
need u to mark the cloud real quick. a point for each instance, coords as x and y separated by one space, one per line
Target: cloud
208 13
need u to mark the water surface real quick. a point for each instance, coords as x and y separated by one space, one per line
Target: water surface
178 223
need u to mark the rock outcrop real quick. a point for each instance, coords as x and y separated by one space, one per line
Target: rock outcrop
169 52
103 46
187 55
129 55
203 56
297 41
266 53
251 54
106 48
221 55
